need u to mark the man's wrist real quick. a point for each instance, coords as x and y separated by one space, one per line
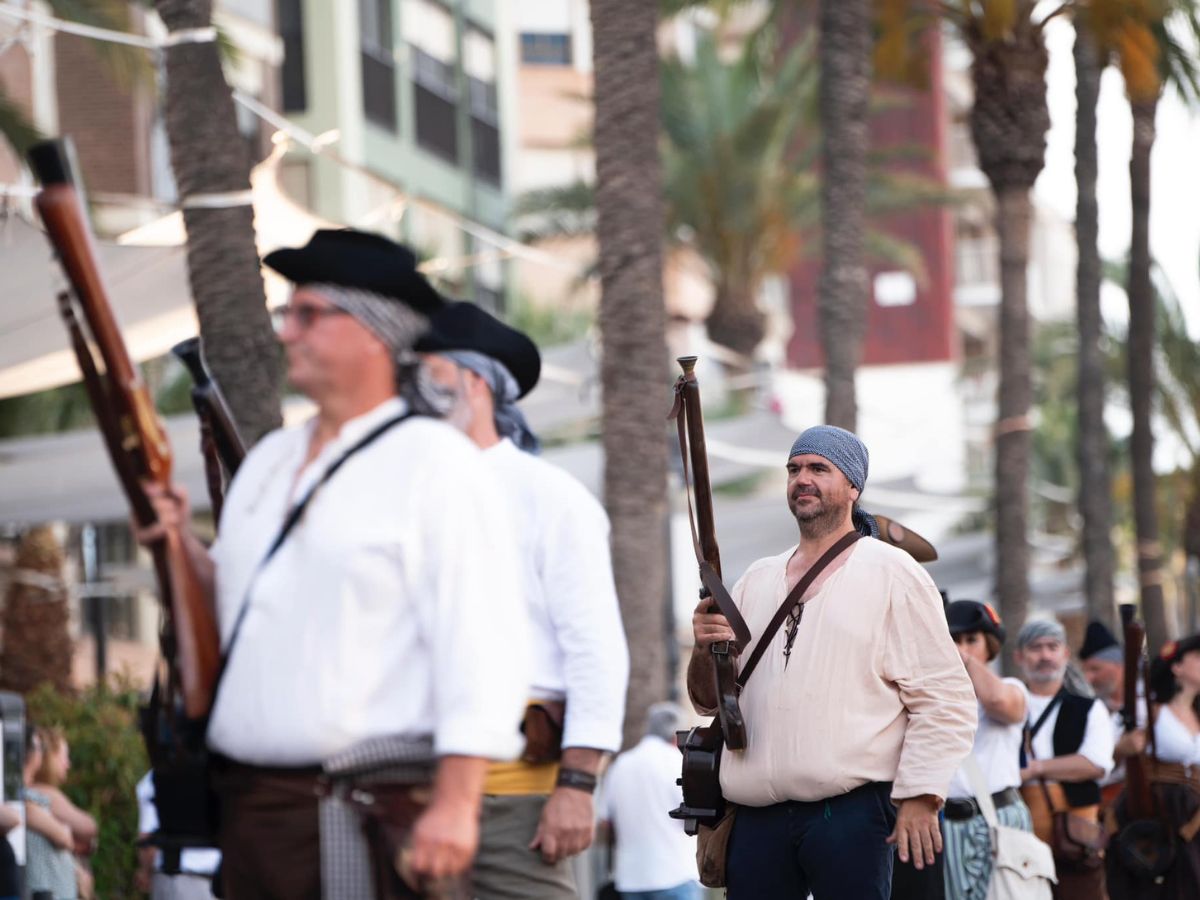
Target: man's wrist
576 779
933 801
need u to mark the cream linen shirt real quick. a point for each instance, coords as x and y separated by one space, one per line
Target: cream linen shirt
578 648
875 690
391 609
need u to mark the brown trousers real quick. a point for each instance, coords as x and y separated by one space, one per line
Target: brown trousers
270 834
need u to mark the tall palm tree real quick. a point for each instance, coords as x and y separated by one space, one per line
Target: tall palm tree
730 180
1009 119
209 157
844 48
1095 480
633 369
1150 57
739 187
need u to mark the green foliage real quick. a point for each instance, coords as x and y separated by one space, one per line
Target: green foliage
107 760
548 326
59 409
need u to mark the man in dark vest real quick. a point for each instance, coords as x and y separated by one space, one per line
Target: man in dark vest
1069 748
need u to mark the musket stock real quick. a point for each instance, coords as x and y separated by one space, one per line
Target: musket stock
136 440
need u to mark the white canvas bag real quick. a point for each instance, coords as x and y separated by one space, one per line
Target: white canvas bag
1023 866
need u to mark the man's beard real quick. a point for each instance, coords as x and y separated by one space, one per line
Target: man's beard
820 519
1046 675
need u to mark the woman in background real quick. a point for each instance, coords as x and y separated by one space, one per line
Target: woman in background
49 861
1174 772
979 635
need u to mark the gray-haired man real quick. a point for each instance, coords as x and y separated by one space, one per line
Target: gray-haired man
861 702
1072 741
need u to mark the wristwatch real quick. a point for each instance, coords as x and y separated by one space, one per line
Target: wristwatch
578 779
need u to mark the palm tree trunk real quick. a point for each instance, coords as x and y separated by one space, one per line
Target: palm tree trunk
1014 212
209 156
633 370
1140 349
842 290
1095 486
37 640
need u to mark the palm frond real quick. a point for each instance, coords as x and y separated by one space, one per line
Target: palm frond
887 248
128 66
16 128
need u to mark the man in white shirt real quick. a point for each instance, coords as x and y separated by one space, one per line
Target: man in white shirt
361 642
538 811
859 712
1072 744
653 856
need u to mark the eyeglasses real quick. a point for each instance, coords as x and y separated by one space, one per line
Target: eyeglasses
304 315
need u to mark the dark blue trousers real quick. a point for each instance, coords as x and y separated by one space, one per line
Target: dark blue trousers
834 849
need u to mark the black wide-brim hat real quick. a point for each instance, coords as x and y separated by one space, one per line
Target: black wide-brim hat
965 616
464 326
358 259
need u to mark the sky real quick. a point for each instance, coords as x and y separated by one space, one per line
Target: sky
1175 175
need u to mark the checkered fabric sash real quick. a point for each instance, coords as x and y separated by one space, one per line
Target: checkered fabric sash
345 859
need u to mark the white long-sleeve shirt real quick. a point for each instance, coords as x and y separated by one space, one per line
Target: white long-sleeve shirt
578 649
391 609
875 690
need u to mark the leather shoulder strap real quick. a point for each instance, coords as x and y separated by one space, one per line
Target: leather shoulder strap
791 600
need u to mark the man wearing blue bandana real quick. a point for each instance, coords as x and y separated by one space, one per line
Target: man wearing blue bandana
538 811
858 714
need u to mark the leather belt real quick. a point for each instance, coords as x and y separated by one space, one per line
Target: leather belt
960 808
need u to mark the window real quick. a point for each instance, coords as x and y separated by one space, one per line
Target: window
485 130
435 93
378 62
545 49
479 62
291 31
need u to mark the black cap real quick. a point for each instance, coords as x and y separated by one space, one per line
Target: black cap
965 616
358 259
464 326
1097 638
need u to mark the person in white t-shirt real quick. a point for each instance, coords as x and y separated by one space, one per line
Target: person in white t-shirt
979 635
653 858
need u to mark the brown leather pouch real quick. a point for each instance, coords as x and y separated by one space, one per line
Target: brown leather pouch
712 849
1079 838
389 813
543 730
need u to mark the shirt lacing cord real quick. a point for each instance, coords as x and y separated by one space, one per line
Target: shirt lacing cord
790 629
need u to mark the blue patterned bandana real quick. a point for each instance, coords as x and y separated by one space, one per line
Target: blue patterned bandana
841 447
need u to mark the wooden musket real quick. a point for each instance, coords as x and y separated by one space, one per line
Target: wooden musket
220 444
1138 798
690 421
129 423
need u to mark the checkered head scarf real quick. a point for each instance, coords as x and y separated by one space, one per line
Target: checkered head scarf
398 326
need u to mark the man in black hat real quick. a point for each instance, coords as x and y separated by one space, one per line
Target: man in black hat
1102 660
365 662
538 812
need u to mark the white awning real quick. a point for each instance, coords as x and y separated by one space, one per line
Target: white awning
146 274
